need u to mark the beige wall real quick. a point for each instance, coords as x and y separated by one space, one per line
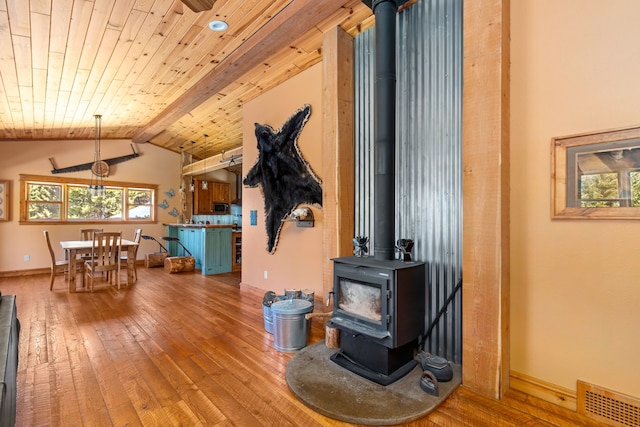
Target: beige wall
575 285
154 166
297 261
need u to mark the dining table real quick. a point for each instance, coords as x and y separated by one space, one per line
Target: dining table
74 247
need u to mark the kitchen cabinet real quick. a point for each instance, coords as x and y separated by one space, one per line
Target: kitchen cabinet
203 200
236 251
172 247
208 245
221 192
191 238
216 257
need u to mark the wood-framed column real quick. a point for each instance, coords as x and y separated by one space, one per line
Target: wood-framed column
337 149
485 142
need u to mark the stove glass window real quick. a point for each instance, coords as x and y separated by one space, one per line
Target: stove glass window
360 299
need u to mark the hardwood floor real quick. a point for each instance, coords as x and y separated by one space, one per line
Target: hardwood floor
185 350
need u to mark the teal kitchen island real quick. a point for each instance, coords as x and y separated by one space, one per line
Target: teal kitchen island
210 245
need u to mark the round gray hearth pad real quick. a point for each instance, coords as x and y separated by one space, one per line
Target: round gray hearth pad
340 394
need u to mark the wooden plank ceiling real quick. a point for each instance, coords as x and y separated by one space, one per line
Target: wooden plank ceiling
152 68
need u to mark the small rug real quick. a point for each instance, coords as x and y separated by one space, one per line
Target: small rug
340 394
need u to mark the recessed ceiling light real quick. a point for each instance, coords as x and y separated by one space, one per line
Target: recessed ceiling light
218 25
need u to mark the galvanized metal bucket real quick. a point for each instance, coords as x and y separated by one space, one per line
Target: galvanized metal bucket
290 328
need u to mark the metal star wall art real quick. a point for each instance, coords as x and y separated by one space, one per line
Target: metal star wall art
285 178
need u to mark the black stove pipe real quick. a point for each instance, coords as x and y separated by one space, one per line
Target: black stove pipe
384 128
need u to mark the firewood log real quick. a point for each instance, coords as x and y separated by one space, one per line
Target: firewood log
177 264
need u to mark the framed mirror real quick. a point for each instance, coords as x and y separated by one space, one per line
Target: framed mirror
596 175
5 200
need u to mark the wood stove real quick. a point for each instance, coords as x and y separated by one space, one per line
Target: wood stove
379 302
379 307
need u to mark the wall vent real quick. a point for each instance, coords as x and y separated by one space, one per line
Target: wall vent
608 406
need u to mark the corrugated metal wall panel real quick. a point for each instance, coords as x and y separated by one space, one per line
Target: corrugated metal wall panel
429 154
364 78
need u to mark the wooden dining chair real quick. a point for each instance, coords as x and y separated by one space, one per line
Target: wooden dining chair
105 258
124 258
56 266
87 234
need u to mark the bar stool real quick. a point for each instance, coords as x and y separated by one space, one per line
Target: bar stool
147 237
175 239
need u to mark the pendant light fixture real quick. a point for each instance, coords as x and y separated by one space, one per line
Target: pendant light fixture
191 185
99 169
205 183
181 188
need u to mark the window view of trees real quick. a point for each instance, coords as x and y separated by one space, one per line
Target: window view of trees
604 190
45 201
597 175
635 188
139 203
74 202
83 205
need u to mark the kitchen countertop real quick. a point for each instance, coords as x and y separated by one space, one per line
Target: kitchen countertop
200 225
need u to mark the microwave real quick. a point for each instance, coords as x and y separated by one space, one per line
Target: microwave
220 208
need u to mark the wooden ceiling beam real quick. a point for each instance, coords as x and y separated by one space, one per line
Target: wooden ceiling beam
281 31
199 5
